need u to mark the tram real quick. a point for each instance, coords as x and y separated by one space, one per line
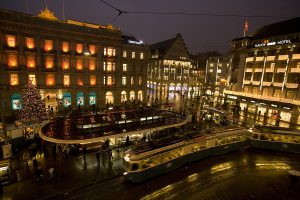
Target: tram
275 138
145 162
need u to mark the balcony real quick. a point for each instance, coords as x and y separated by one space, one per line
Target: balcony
270 70
296 56
292 85
255 82
266 83
281 70
270 58
278 84
258 70
249 59
248 69
295 70
261 58
283 57
246 82
264 97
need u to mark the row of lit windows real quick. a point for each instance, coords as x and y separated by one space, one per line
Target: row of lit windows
65 46
65 63
133 55
50 80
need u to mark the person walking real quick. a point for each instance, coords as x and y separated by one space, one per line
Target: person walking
98 157
84 151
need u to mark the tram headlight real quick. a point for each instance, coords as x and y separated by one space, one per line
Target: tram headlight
126 158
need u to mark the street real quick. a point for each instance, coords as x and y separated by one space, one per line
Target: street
238 175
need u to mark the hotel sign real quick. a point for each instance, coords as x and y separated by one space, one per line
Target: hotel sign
135 42
267 43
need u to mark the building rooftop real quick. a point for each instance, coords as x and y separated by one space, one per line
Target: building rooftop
280 28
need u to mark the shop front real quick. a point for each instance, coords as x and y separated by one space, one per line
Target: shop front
286 113
4 171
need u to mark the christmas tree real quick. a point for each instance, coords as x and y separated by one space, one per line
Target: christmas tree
33 107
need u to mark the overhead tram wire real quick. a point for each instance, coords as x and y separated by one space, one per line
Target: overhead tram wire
120 12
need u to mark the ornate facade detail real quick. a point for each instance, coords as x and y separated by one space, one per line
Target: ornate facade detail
47 14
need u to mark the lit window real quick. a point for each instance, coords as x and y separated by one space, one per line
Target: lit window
298 64
12 60
14 79
79 64
124 80
92 80
79 80
50 79
32 79
48 45
133 54
132 81
79 48
49 62
104 79
124 67
11 40
109 66
141 55
140 80
29 43
92 65
92 49
30 61
124 54
109 51
65 46
66 80
65 63
109 80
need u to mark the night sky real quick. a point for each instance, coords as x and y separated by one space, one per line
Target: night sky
201 33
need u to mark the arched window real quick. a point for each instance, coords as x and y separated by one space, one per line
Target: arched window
92 98
109 97
140 95
178 87
123 96
67 101
16 103
132 95
80 98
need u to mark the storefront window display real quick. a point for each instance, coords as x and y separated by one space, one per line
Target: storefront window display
67 101
92 98
16 103
4 171
80 98
285 115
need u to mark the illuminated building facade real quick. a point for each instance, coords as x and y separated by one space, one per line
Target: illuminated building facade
216 76
266 72
170 72
72 63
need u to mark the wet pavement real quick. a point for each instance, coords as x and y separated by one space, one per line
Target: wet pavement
73 172
247 174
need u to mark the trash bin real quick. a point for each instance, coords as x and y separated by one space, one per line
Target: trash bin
19 177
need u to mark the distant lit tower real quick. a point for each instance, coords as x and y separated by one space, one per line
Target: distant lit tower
245 28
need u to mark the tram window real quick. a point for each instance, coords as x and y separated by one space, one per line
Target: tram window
263 137
134 166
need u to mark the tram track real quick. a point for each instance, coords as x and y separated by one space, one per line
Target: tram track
204 181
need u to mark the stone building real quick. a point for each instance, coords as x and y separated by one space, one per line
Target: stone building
72 63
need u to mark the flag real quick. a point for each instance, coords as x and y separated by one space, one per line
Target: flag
246 27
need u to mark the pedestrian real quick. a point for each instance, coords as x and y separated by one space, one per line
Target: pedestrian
98 157
84 151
